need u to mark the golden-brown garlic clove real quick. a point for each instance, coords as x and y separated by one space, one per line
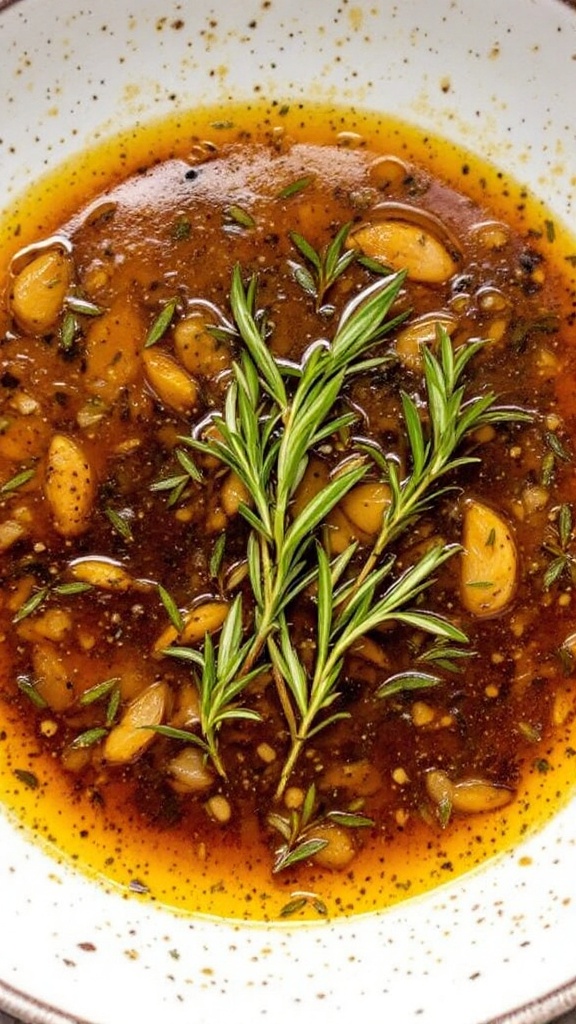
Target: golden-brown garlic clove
402 245
69 485
39 290
131 737
173 385
489 561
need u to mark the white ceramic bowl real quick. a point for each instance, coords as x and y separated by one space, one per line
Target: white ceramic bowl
498 944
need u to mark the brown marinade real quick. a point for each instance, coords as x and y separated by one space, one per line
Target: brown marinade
121 537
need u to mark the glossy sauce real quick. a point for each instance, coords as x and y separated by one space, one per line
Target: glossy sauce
169 212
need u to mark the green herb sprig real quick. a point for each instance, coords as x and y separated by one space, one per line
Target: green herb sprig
297 830
221 677
341 624
274 417
269 447
558 545
323 267
436 452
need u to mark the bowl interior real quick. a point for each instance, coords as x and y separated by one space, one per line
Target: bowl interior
496 78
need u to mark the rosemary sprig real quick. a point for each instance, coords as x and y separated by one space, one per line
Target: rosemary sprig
341 624
436 454
272 419
297 830
274 416
270 452
558 545
323 267
221 678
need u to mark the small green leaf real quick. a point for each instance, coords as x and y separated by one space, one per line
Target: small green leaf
162 322
307 250
89 738
113 706
444 811
294 906
171 608
217 555
72 588
407 682
168 483
550 230
556 447
98 691
304 278
28 688
188 465
350 820
17 481
564 525
119 522
68 331
295 187
554 571
239 216
29 779
374 266
30 606
548 467
184 735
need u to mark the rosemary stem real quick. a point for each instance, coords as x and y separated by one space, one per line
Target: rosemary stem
215 757
319 689
285 703
289 764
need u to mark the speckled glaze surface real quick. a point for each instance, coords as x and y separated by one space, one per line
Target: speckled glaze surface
499 77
